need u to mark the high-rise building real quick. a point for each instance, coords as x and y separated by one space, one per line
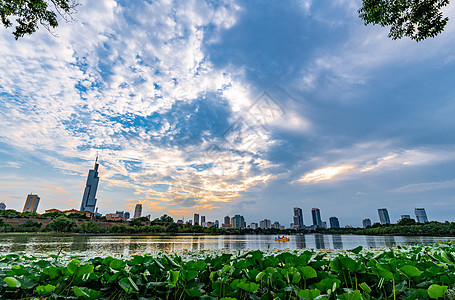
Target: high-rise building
298 218
89 198
383 216
138 211
121 214
276 225
237 221
227 222
202 219
421 215
31 203
2 206
366 222
217 224
334 222
254 225
127 215
316 214
196 219
265 224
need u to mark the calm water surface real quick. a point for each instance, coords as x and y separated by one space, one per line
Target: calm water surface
148 244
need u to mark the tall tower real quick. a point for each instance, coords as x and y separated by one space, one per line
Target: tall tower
334 222
196 219
383 216
316 214
421 215
89 198
138 211
31 203
298 218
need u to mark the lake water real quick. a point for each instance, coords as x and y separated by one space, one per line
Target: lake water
128 245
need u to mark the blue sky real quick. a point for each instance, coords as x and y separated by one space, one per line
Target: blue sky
229 107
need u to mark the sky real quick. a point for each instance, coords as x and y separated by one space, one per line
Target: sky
229 107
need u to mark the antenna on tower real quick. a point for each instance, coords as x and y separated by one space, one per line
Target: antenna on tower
96 160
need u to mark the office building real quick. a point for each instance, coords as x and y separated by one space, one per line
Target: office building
383 216
316 214
202 219
237 221
2 206
89 198
276 225
121 214
334 222
138 211
31 203
265 224
216 224
366 222
405 217
196 219
421 215
254 225
126 215
298 218
227 220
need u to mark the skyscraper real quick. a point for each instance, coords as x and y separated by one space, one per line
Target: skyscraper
265 224
421 215
227 221
196 219
237 221
89 198
383 216
31 203
298 218
202 220
316 214
334 222
366 222
138 211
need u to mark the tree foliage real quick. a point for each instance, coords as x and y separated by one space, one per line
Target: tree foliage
62 224
416 19
27 14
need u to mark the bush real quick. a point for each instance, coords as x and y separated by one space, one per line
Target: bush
62 224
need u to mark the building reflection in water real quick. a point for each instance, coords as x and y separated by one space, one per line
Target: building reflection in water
300 242
319 241
371 241
389 241
337 241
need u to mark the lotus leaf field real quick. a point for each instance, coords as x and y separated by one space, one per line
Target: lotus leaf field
415 272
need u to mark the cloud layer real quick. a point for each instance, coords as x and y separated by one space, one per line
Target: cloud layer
227 107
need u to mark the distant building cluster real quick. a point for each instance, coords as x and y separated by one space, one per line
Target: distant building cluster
89 200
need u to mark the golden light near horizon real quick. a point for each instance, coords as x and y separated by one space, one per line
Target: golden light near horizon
327 173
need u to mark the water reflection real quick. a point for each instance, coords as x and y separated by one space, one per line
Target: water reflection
389 241
300 242
337 241
147 244
319 241
371 242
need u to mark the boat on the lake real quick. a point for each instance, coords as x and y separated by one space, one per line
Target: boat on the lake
282 239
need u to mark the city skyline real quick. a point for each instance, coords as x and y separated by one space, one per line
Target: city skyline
235 108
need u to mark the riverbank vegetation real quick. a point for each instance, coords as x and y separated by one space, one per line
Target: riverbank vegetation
407 227
78 223
416 272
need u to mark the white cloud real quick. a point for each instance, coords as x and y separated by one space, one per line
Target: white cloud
424 187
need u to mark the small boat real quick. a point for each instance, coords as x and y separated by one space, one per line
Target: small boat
282 239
